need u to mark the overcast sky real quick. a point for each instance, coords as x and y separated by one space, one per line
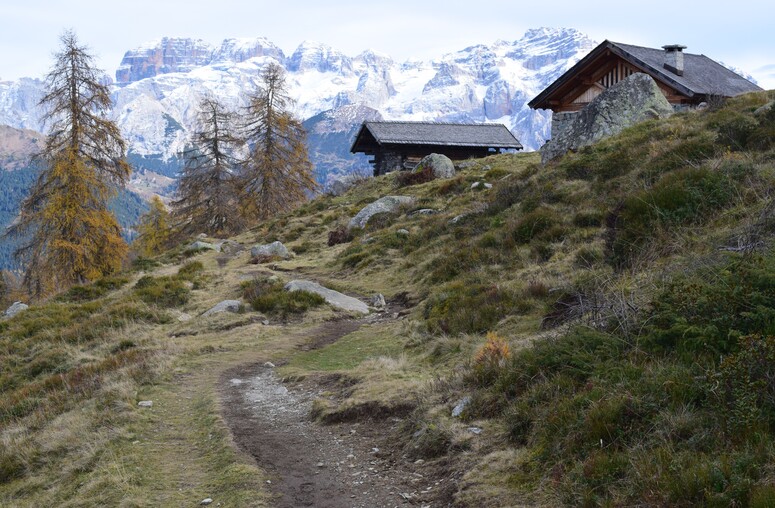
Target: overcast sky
740 33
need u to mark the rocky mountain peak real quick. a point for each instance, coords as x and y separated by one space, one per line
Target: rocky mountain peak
169 54
239 50
312 55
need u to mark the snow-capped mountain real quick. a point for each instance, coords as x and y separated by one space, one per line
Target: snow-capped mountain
158 86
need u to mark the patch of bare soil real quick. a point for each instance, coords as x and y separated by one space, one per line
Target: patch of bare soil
323 466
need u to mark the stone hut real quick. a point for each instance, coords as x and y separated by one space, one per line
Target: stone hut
685 79
401 145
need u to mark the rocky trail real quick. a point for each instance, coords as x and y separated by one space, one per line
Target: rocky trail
321 465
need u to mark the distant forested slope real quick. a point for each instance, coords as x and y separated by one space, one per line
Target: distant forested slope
14 186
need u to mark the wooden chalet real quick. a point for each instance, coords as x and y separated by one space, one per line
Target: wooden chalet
401 145
686 79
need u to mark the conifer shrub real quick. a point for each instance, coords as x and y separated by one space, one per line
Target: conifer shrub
270 297
190 268
748 385
452 186
588 219
536 224
468 307
686 196
702 316
142 264
162 291
93 291
408 178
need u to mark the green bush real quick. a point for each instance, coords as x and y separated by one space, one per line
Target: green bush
701 316
687 196
588 219
145 264
162 291
461 307
748 381
283 303
93 291
190 270
533 225
270 297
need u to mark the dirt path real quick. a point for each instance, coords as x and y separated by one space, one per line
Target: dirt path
324 466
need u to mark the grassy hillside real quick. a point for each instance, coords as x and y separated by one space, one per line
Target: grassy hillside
609 319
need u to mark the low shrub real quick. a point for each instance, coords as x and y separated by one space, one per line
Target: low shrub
490 359
162 291
284 303
701 316
407 178
270 297
588 219
461 307
534 224
145 264
190 270
685 196
339 235
748 385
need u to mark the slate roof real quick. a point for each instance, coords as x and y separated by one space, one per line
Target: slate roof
702 75
436 134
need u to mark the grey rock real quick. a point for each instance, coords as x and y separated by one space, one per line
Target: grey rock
764 109
224 306
206 501
274 249
202 236
184 317
387 204
475 430
631 101
341 184
230 247
378 301
145 403
466 164
440 165
334 298
269 365
16 308
423 211
458 218
200 245
402 232
461 406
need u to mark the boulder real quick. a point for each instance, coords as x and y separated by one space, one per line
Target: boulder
338 185
200 245
378 301
440 165
631 101
387 204
270 250
230 247
334 298
224 306
16 308
764 109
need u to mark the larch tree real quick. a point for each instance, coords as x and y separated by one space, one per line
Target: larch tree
208 188
277 175
153 230
69 235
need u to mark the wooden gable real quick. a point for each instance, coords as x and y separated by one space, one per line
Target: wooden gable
596 76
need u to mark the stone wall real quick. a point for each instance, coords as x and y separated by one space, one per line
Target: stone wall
561 120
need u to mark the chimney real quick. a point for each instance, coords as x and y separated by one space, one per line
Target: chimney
674 58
